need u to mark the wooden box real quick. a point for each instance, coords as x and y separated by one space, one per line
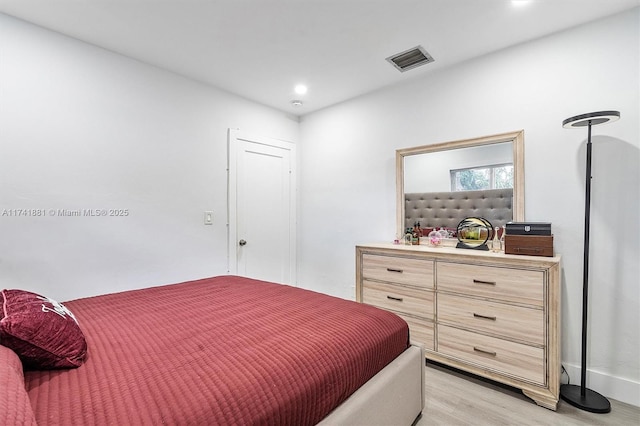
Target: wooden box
532 245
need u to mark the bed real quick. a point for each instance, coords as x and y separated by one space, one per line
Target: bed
222 350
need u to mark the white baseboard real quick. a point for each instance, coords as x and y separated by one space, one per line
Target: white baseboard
623 390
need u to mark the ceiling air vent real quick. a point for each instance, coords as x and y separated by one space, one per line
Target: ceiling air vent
410 59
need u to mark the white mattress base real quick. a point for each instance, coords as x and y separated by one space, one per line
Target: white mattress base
394 396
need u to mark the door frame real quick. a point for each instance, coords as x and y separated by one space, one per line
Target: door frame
234 136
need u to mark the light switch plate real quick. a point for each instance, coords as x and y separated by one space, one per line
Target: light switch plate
208 218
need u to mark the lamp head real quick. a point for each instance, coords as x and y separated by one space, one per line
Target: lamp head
591 119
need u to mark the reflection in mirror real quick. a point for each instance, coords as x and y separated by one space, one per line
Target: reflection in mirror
439 185
462 169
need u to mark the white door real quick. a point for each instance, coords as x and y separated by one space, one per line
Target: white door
262 208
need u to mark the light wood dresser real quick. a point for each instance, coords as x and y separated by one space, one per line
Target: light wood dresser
491 314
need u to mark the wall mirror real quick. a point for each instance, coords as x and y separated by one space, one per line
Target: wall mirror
439 185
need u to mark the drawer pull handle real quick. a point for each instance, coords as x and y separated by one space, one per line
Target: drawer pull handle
484 317
529 250
484 282
397 299
477 349
394 270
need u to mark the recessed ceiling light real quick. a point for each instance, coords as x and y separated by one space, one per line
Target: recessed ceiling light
301 89
518 3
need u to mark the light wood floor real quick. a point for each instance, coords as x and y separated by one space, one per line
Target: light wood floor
454 398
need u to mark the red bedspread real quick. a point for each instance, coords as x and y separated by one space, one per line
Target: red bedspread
223 350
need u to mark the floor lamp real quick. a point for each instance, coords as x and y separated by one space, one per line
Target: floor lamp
580 396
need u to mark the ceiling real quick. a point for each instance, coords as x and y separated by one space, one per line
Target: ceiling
260 49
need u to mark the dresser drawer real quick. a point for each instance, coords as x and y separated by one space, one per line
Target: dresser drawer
407 300
515 359
420 331
515 322
415 272
514 285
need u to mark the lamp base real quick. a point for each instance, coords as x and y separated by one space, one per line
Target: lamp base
592 401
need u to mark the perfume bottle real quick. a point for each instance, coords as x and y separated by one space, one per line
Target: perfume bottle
496 246
415 240
408 236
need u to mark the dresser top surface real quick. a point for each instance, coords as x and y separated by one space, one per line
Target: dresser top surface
448 252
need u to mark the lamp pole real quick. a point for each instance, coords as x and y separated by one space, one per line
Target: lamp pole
585 268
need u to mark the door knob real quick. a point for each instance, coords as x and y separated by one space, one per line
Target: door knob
242 242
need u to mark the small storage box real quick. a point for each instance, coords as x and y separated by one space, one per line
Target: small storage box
528 228
532 245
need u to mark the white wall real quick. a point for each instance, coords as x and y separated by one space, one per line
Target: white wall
347 179
84 128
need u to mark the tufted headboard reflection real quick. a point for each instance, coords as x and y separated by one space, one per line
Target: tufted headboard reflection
447 209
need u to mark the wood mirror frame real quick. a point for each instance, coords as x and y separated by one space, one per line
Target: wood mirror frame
517 140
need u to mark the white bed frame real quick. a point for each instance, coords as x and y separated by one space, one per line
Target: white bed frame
394 396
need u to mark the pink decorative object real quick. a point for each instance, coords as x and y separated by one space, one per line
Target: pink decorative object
435 238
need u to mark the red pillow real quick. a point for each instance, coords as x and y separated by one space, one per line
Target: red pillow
41 331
